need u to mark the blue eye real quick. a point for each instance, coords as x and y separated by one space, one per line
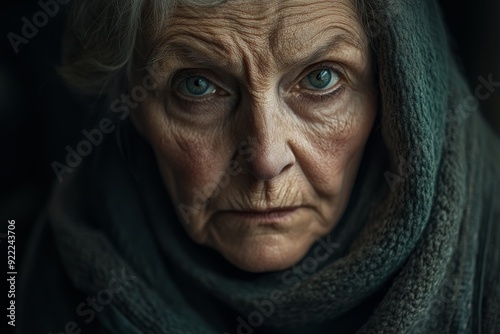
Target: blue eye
321 79
197 86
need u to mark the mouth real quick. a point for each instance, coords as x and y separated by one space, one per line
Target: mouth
272 215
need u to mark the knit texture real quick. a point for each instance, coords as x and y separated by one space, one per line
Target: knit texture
417 250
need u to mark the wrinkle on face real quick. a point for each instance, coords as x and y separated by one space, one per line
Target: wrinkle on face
305 150
259 43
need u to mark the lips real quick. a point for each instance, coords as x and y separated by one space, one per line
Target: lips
264 215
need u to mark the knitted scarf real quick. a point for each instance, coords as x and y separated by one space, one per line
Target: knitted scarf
417 250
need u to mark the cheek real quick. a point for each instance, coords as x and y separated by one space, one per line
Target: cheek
182 169
334 149
188 160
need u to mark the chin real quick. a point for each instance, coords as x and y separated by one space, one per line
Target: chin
266 253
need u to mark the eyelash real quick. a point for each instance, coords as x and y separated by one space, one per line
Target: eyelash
190 74
319 98
322 97
203 103
304 95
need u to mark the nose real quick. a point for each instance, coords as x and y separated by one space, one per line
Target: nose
270 141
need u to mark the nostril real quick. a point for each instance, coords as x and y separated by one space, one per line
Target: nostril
270 162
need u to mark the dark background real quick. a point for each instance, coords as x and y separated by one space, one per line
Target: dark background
39 116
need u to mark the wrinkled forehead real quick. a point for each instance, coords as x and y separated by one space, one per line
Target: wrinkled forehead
279 31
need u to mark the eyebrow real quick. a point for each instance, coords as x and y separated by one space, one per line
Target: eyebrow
188 53
191 50
335 43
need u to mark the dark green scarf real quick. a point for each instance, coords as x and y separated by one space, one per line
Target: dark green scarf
417 251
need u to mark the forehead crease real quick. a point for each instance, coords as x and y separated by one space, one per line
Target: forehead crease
225 37
302 34
198 49
255 44
224 41
251 19
295 17
258 68
330 41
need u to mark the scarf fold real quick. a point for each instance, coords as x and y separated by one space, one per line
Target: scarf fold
410 254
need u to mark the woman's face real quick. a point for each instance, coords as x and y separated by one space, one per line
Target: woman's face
260 124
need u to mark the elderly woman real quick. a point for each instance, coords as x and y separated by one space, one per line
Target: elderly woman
269 167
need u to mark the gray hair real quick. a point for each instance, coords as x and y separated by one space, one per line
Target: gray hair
103 35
